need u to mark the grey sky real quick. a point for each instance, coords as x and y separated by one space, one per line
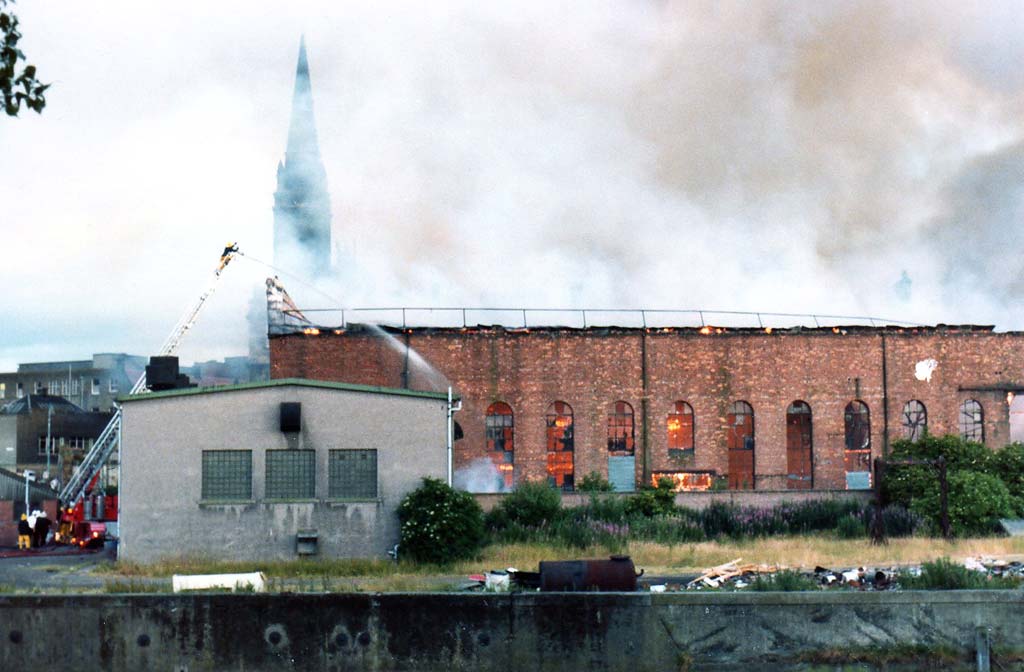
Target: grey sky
754 156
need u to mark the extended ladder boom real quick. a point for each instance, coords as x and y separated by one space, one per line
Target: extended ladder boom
110 438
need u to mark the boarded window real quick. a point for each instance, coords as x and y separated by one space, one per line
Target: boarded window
972 421
680 430
227 474
857 435
799 442
500 434
291 474
740 441
560 445
914 420
620 429
352 474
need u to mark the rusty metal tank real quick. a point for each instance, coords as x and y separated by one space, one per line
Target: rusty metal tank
617 573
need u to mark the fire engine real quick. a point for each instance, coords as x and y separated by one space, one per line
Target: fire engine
84 512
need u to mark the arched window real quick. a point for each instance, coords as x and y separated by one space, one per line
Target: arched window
680 430
799 459
560 445
972 421
857 432
914 420
740 440
499 428
620 429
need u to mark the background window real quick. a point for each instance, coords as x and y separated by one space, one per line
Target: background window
352 474
227 474
680 428
914 420
857 456
560 445
291 474
500 436
972 421
740 442
620 429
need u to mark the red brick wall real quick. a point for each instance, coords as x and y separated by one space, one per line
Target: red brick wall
8 526
592 369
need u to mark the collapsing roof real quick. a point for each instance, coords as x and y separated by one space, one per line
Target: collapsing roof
284 317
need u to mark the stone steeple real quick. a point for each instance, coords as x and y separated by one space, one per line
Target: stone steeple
302 206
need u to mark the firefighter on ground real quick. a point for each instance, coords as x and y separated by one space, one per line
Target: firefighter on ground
24 533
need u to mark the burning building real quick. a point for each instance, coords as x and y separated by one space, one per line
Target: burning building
768 408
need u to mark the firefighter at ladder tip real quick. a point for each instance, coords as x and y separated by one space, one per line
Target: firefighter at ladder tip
225 256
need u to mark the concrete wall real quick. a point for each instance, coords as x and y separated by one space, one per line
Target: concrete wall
652 369
162 512
636 632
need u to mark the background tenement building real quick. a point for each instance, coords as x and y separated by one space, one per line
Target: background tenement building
802 408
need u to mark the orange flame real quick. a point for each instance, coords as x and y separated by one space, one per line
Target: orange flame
684 481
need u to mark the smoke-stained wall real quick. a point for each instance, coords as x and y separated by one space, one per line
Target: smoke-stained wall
652 369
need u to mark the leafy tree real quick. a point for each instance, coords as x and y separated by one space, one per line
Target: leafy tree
16 87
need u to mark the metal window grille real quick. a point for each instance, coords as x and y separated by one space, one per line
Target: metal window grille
352 474
972 421
680 427
227 474
291 474
620 429
915 419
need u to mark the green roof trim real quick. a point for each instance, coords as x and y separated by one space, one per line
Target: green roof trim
285 382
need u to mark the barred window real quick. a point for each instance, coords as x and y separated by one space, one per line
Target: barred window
352 474
620 429
227 474
291 474
915 420
680 429
972 421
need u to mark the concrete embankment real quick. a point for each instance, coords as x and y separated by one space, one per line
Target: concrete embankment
532 631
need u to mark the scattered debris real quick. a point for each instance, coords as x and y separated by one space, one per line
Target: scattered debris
715 577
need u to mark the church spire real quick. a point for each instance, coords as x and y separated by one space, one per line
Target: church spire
302 211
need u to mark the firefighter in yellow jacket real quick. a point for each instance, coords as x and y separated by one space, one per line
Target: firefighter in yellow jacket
24 533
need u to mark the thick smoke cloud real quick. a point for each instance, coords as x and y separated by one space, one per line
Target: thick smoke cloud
753 156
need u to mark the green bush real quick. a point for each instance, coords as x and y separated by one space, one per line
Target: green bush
1009 466
440 525
976 502
944 574
850 527
659 501
531 504
594 482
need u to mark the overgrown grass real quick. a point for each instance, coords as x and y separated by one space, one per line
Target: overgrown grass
801 551
786 581
135 586
283 568
937 655
944 574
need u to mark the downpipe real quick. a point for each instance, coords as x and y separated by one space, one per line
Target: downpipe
452 409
